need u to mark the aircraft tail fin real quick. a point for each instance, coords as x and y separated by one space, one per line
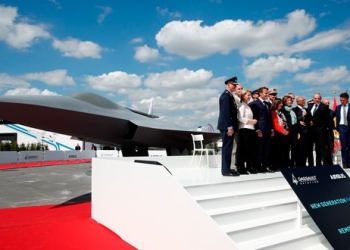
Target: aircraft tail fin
150 110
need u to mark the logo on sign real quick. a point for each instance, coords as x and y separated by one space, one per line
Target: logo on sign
295 180
303 180
337 176
28 157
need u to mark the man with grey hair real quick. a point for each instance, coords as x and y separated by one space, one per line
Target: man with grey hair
321 124
304 145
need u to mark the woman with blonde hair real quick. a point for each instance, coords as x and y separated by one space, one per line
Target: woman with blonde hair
246 135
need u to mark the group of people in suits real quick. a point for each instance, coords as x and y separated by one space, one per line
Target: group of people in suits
270 134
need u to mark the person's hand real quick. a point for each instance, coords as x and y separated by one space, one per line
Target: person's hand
259 133
302 123
253 121
230 132
286 132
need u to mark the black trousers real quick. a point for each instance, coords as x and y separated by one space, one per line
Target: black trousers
281 155
305 151
261 151
293 145
245 149
322 145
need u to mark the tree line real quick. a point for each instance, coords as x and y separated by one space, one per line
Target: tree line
14 146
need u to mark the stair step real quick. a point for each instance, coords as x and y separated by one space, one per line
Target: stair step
258 222
309 233
232 209
323 246
240 193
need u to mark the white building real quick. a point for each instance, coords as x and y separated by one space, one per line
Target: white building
27 135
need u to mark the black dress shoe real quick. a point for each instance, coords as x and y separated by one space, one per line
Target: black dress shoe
252 171
269 171
261 171
235 171
243 171
231 174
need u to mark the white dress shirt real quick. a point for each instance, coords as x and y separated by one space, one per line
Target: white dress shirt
342 112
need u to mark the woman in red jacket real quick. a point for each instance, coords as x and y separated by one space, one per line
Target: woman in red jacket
280 126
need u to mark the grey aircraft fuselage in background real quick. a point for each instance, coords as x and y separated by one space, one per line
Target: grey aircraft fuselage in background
93 118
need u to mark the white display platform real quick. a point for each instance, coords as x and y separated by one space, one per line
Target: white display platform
198 208
146 206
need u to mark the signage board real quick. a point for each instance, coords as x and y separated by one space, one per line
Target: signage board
325 194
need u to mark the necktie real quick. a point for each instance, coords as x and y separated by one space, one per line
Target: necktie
344 115
316 106
266 106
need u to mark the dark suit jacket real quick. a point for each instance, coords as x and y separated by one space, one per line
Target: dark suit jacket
228 112
261 113
338 115
299 113
322 121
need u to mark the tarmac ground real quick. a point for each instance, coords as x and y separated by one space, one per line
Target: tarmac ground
35 186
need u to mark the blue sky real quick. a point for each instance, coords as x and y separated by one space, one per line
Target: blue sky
178 52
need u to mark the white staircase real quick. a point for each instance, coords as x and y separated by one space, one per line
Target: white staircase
198 209
258 212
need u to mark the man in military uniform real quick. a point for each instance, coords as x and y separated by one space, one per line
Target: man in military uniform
228 125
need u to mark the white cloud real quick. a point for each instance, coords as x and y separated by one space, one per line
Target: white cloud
325 13
78 49
137 40
140 93
114 81
266 69
7 81
325 76
102 16
56 3
322 40
179 79
191 40
55 78
31 91
166 12
19 34
146 54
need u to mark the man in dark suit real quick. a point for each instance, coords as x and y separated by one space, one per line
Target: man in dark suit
321 123
342 126
330 132
304 150
263 129
228 125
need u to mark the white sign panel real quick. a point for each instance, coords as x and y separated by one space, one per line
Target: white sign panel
72 155
108 153
8 157
86 154
30 156
156 153
53 155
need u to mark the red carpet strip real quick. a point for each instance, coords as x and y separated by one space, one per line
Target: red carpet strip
55 227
